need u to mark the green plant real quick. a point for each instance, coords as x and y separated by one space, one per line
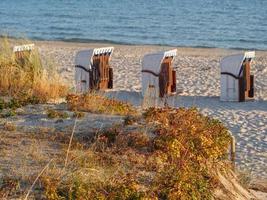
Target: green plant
10 113
14 103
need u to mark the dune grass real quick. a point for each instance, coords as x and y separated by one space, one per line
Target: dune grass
26 79
177 157
95 103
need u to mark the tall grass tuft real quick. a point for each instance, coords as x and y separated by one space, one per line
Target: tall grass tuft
26 78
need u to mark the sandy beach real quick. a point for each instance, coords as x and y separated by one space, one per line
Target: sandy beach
198 82
40 132
133 100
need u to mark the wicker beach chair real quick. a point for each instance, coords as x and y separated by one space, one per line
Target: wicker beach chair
92 70
237 83
22 53
158 74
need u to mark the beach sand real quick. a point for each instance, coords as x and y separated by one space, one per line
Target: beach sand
198 79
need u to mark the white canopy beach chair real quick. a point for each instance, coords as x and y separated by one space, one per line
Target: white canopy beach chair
23 52
92 69
21 48
237 84
158 73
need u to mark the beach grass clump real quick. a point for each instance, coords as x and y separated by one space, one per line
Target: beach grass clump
56 114
78 114
177 157
96 103
25 78
14 103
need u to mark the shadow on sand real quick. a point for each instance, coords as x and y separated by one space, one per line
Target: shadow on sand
210 102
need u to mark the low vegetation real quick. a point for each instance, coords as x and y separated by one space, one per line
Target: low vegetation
95 103
78 114
25 79
165 153
177 157
56 114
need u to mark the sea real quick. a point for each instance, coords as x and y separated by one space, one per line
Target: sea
235 24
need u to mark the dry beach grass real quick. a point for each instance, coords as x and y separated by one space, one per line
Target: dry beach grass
30 80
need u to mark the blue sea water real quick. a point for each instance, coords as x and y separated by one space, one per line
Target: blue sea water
196 23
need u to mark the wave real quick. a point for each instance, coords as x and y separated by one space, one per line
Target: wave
117 42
